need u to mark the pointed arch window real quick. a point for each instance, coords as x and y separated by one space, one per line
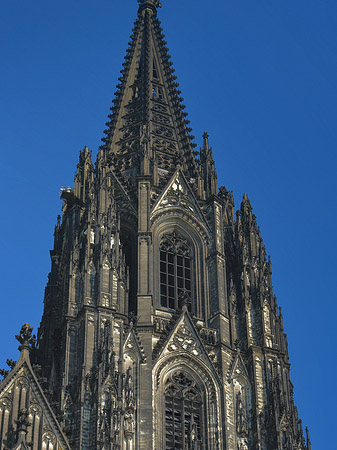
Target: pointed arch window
183 413
175 272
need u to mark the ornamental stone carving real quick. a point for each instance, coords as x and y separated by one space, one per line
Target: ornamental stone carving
183 340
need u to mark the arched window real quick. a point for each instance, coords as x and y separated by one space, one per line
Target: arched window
175 272
183 413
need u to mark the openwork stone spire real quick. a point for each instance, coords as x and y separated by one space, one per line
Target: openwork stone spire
148 133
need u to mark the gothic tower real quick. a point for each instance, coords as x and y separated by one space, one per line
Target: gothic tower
160 327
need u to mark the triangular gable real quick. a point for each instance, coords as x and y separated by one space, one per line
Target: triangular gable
132 344
178 194
121 196
184 338
238 368
23 375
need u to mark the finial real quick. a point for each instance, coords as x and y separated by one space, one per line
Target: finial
155 3
26 339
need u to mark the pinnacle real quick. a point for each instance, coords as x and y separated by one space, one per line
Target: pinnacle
246 206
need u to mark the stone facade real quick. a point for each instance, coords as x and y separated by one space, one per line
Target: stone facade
160 327
27 420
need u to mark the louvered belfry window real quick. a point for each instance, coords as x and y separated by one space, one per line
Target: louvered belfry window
175 272
183 413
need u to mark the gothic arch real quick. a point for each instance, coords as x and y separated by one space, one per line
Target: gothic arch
48 440
185 220
198 242
209 388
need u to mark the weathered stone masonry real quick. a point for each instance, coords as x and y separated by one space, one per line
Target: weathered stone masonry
160 327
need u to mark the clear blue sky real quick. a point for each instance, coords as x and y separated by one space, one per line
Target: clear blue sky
258 75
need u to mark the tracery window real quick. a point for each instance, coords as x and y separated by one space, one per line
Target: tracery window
183 413
175 272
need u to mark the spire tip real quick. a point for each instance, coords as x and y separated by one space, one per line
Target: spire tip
155 3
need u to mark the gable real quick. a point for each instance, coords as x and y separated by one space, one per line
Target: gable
132 345
179 195
22 395
238 368
184 339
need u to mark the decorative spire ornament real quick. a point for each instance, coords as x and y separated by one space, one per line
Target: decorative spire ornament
155 3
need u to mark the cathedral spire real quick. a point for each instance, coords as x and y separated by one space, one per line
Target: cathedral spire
159 310
148 132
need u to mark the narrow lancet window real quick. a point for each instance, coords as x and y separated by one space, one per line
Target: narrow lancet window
175 272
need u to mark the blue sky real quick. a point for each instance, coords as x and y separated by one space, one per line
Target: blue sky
258 75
